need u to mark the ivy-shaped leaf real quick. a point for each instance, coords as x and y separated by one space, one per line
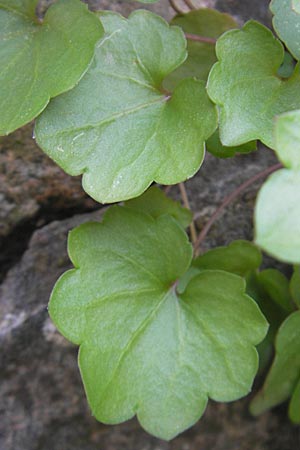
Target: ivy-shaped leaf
239 257
216 148
287 139
156 203
41 60
283 379
286 22
145 349
117 127
277 216
249 60
205 22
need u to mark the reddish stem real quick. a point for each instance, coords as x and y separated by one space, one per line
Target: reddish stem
198 38
227 200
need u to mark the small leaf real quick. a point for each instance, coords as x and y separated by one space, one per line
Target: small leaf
295 286
286 22
41 60
156 203
287 139
118 127
249 60
277 216
277 287
201 55
284 373
145 349
216 148
239 257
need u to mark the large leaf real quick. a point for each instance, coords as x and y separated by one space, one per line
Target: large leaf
287 139
208 23
41 60
246 86
156 203
145 349
284 375
117 127
277 216
286 22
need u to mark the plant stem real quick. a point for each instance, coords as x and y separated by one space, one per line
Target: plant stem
186 203
198 38
227 200
189 4
175 7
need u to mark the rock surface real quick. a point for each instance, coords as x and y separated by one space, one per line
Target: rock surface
43 405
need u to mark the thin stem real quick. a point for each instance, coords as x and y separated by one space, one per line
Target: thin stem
186 203
227 200
189 4
175 7
198 38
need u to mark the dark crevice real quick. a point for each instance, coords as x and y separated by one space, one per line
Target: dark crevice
14 245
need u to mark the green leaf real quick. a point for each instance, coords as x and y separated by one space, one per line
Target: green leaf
287 139
246 86
294 406
145 349
215 147
286 22
41 60
239 257
295 286
208 23
277 287
156 203
284 374
117 127
277 216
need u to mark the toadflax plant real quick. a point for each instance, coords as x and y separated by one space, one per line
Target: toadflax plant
125 102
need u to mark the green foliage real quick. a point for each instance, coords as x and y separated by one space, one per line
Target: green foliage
283 379
41 60
169 352
277 216
156 203
286 23
201 55
249 60
216 148
131 130
160 332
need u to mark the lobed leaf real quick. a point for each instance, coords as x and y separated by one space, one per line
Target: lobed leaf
286 22
201 55
277 216
145 348
156 203
283 377
249 60
41 60
118 127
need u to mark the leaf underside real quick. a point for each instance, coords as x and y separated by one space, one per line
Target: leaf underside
41 60
117 127
144 348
